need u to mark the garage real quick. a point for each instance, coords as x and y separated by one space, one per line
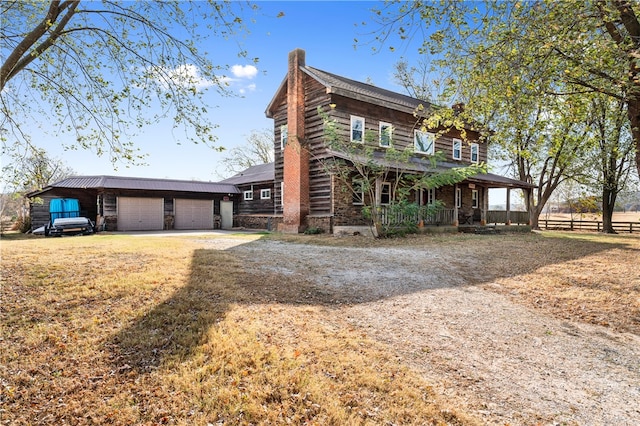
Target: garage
140 214
193 214
119 203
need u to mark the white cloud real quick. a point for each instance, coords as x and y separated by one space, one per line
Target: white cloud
244 71
249 88
187 75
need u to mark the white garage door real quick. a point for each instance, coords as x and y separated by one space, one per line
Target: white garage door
194 214
140 214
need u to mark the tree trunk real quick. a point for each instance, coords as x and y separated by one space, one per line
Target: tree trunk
633 111
534 215
608 204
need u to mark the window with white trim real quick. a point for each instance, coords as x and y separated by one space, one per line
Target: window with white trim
474 153
385 193
457 149
474 198
284 135
423 142
248 195
265 194
458 197
358 192
386 134
427 196
282 193
357 129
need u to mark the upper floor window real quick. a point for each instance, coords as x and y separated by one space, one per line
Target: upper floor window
357 129
457 149
265 194
386 134
284 135
248 195
423 142
474 153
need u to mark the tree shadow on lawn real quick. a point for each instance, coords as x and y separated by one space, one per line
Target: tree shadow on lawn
172 330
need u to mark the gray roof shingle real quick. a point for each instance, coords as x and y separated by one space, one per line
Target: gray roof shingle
254 174
356 89
423 165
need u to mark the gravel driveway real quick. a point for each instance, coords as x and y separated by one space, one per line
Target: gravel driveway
502 361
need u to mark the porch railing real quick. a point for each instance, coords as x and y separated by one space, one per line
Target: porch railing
440 217
500 216
444 217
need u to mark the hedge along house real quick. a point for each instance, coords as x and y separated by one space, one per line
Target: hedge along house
141 204
306 194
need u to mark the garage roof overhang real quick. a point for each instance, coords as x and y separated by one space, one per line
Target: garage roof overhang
134 183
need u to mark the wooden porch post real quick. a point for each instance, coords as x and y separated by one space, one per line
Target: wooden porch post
484 206
508 221
456 222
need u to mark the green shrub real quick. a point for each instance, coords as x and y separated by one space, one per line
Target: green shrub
313 231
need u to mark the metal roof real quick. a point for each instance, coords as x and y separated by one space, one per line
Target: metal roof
121 182
424 165
254 174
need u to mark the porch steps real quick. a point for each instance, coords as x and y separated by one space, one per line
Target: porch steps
478 229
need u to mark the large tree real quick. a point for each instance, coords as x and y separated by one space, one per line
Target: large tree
33 172
100 71
566 47
611 155
258 149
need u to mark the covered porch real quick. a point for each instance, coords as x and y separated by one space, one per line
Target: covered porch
465 204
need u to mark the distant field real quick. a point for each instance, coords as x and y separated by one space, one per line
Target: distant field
617 216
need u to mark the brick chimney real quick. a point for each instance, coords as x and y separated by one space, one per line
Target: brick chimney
296 155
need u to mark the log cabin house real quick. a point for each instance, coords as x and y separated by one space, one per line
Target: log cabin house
297 191
304 194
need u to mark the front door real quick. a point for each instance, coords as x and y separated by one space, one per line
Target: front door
226 214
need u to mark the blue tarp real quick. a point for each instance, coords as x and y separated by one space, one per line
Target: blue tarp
64 207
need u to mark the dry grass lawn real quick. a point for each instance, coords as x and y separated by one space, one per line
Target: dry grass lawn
113 329
125 330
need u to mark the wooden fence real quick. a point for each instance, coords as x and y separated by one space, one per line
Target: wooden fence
587 225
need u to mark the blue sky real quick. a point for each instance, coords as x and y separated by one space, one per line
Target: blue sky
324 29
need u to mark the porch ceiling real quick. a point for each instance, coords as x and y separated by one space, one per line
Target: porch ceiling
423 165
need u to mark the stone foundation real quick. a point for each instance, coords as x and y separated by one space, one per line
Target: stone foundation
323 222
254 221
